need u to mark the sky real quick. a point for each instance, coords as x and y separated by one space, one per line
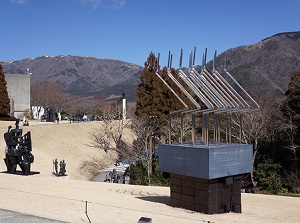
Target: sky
129 30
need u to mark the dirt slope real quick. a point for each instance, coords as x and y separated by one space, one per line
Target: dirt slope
64 198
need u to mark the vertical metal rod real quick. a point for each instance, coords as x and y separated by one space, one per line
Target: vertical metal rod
215 127
225 62
180 60
193 128
241 122
158 56
203 65
205 55
214 61
190 60
219 129
194 57
230 117
207 129
86 211
170 128
226 128
181 128
203 128
169 59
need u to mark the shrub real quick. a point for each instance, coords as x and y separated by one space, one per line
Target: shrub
138 175
28 114
267 177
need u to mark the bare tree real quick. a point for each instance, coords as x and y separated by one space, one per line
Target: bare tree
110 137
102 139
48 95
146 141
289 127
256 126
292 179
177 129
143 144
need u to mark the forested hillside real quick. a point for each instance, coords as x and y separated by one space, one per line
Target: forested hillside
263 67
81 76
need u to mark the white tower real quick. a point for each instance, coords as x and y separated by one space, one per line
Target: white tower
124 106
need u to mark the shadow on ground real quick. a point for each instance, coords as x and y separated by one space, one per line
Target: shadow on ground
19 172
157 199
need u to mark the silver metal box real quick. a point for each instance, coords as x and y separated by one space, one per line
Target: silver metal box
214 161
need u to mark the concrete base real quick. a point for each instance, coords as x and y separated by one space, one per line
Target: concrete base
214 196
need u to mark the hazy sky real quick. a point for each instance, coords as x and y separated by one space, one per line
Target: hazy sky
129 30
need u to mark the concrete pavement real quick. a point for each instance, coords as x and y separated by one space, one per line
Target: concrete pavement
120 168
16 217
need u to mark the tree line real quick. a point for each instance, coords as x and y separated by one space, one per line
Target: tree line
274 130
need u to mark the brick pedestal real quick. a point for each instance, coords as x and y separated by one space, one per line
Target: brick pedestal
209 196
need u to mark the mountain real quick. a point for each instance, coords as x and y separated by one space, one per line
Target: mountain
81 76
265 67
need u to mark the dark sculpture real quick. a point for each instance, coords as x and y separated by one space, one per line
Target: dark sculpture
62 168
18 150
55 165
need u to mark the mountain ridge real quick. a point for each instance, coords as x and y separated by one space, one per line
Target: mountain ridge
264 67
79 75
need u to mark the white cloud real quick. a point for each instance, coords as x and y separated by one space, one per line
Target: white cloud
95 3
19 1
118 3
115 4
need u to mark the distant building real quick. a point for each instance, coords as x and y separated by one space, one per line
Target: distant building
18 87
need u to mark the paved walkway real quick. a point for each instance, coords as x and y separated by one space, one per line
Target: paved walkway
16 217
120 168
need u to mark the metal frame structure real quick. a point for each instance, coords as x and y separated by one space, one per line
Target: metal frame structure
215 92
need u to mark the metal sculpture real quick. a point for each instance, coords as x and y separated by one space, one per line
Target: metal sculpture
62 168
205 175
18 150
218 96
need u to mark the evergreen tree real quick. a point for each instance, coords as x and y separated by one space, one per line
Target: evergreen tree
4 99
267 176
293 97
154 99
291 120
154 103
